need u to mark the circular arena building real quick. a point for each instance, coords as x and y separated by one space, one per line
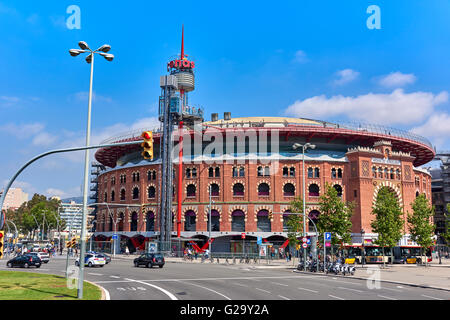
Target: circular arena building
253 182
249 171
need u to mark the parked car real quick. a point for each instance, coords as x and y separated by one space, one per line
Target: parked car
45 257
107 258
92 260
149 260
26 261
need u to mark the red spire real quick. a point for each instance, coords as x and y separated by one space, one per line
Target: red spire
182 42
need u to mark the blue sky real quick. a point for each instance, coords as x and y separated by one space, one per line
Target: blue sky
315 59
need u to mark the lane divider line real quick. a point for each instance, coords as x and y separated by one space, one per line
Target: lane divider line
308 290
170 295
389 298
263 290
423 295
335 297
284 297
220 294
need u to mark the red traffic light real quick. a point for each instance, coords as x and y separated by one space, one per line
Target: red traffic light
1 234
147 135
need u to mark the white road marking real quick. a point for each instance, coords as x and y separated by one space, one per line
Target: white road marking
280 284
308 290
423 295
389 298
121 289
239 284
335 297
107 296
220 294
170 295
115 277
284 297
95 274
384 288
344 288
263 290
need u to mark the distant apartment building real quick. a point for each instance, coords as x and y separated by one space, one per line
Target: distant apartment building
72 213
440 188
14 198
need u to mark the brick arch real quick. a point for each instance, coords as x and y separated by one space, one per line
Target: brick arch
148 187
186 209
237 207
190 182
291 182
315 182
213 207
263 181
235 182
146 211
311 208
263 207
389 185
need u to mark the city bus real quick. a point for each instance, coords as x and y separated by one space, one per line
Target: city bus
411 254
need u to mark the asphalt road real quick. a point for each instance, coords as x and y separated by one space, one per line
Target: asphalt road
189 281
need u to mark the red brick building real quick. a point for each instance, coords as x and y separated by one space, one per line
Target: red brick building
252 187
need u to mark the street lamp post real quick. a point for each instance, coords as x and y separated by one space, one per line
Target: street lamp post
89 59
209 222
304 147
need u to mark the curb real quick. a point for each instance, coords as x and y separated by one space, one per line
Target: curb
104 294
388 281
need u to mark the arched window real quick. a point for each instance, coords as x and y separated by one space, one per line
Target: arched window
314 190
134 221
397 174
310 173
113 195
106 197
285 172
392 174
188 173
263 222
333 173
241 172
238 221
238 190
266 171
151 192
316 173
122 194
120 227
189 221
386 173
214 190
194 172
380 172
285 220
263 189
260 171
374 172
215 220
137 176
292 171
135 193
289 190
150 223
154 175
211 172
191 190
339 173
338 189
217 170
111 224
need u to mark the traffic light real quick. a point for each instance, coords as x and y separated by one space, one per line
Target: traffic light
2 241
147 145
73 242
68 244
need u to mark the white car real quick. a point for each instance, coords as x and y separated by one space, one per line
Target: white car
92 260
45 257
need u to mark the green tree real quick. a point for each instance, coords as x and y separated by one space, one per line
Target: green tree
420 226
388 222
294 223
335 217
447 225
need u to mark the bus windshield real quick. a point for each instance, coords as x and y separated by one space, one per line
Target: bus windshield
410 252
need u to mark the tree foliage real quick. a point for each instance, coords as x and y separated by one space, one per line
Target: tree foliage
295 222
420 226
335 216
388 222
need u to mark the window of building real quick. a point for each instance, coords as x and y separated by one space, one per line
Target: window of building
355 193
339 173
392 176
135 193
266 171
338 189
380 172
134 221
217 171
292 171
386 173
316 173
310 173
238 221
106 197
150 223
122 194
188 173
263 189
397 174
151 192
113 194
194 172
241 172
211 172
263 223
238 189
190 221
374 172
285 171
333 173
215 221
235 172
314 190
289 190
214 190
191 190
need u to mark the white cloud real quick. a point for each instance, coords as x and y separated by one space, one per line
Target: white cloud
25 186
397 79
84 96
44 139
51 192
22 131
300 57
345 76
437 129
397 107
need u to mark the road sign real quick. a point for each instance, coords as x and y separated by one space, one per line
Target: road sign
304 245
308 241
243 235
115 237
328 236
304 239
327 244
259 240
152 247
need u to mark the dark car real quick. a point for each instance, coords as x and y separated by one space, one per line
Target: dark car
149 260
25 260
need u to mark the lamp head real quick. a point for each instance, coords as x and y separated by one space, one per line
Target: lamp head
104 48
83 45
